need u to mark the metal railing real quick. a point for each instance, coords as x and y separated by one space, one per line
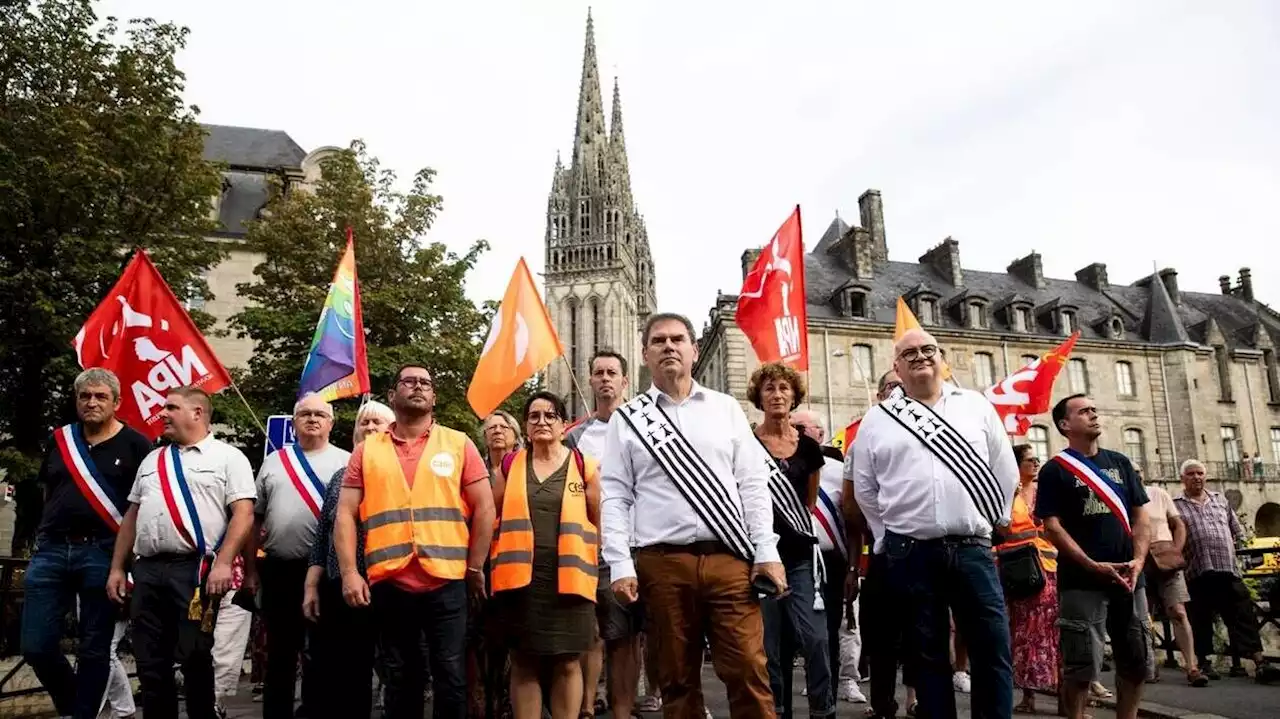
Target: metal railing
1219 471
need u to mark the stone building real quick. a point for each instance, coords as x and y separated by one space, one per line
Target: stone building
250 158
599 272
1175 374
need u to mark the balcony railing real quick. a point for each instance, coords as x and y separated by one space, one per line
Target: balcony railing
1219 471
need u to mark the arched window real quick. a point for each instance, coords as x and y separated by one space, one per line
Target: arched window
584 216
573 334
1028 359
984 370
1038 438
596 332
863 369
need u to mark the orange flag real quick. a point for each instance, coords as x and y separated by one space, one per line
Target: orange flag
521 343
906 320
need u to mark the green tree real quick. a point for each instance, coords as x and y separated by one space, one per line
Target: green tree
412 292
98 155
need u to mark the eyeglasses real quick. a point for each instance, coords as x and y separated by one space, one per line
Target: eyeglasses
911 354
543 418
1033 460
412 382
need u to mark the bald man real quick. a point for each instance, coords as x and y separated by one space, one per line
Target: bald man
934 474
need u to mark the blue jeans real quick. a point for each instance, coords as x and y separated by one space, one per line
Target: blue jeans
59 572
403 618
958 575
791 624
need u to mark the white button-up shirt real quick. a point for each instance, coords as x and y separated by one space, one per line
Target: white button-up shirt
904 488
217 473
717 429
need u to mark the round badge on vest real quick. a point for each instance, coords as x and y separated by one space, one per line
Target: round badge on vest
442 464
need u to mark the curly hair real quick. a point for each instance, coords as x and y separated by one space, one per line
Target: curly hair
775 371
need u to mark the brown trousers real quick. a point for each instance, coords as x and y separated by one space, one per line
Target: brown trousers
692 598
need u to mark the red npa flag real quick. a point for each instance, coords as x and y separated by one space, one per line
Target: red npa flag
771 307
142 334
1027 392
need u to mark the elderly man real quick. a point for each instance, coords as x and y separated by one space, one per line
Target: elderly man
685 458
934 473
88 470
291 488
178 527
1213 577
843 641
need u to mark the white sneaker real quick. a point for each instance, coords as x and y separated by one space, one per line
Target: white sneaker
849 692
708 713
960 680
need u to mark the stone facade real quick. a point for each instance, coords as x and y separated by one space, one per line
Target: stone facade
1175 374
599 272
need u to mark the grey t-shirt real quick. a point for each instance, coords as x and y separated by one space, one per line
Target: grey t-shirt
290 524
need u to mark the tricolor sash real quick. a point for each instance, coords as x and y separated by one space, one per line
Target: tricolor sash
953 450
181 505
303 477
1083 469
786 503
827 517
75 456
689 472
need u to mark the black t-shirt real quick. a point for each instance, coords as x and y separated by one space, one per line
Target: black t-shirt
797 468
66 511
1086 518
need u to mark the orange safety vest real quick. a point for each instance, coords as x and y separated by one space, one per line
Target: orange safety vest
578 543
1023 530
428 522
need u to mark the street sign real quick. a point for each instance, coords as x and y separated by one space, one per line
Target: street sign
279 433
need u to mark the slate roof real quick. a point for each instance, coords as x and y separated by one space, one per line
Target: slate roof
251 147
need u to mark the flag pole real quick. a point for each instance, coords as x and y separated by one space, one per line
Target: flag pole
252 412
573 378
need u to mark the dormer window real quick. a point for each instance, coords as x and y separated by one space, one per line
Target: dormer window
1022 319
1066 321
1117 328
977 318
927 310
855 303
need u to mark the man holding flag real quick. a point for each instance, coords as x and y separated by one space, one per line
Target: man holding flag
87 473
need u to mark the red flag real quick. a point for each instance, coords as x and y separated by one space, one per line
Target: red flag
1028 391
142 334
771 306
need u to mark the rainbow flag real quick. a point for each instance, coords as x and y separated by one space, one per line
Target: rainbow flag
843 440
336 366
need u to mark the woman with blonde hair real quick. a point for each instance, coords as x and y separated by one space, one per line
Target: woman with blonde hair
501 435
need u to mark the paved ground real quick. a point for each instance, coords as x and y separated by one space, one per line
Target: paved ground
1236 698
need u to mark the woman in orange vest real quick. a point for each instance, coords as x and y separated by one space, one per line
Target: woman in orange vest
544 559
1033 620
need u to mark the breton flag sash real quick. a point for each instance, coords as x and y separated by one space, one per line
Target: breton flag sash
304 478
75 456
827 517
786 503
950 447
689 472
181 505
1083 469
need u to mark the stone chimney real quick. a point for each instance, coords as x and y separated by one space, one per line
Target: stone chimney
1169 277
1094 276
1224 284
1246 284
872 216
749 258
945 260
856 250
1029 269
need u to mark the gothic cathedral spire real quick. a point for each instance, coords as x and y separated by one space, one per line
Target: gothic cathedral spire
599 276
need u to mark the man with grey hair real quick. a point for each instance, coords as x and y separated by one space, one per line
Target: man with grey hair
87 473
1213 576
291 490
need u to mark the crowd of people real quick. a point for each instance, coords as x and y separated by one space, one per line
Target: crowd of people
573 569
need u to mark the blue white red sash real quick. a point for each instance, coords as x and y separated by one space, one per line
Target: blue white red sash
75 456
827 517
1083 469
178 500
303 477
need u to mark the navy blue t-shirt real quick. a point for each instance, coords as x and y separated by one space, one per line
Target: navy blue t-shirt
66 511
1086 518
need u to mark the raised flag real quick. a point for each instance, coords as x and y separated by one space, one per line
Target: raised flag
521 343
141 333
336 366
771 306
1028 391
843 439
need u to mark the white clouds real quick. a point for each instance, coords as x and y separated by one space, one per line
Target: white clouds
1113 132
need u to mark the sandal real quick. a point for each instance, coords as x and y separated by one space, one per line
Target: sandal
1026 706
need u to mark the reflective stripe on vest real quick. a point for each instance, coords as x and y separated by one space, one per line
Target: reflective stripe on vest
428 523
1023 530
577 544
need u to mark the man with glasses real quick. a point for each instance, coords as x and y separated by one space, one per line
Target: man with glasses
291 488
934 474
421 490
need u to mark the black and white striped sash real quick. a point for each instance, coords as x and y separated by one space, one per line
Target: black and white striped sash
786 503
689 472
951 448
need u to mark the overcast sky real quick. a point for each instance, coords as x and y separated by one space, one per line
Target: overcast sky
1125 133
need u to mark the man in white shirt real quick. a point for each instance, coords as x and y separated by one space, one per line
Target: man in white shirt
291 488
686 459
176 523
934 474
